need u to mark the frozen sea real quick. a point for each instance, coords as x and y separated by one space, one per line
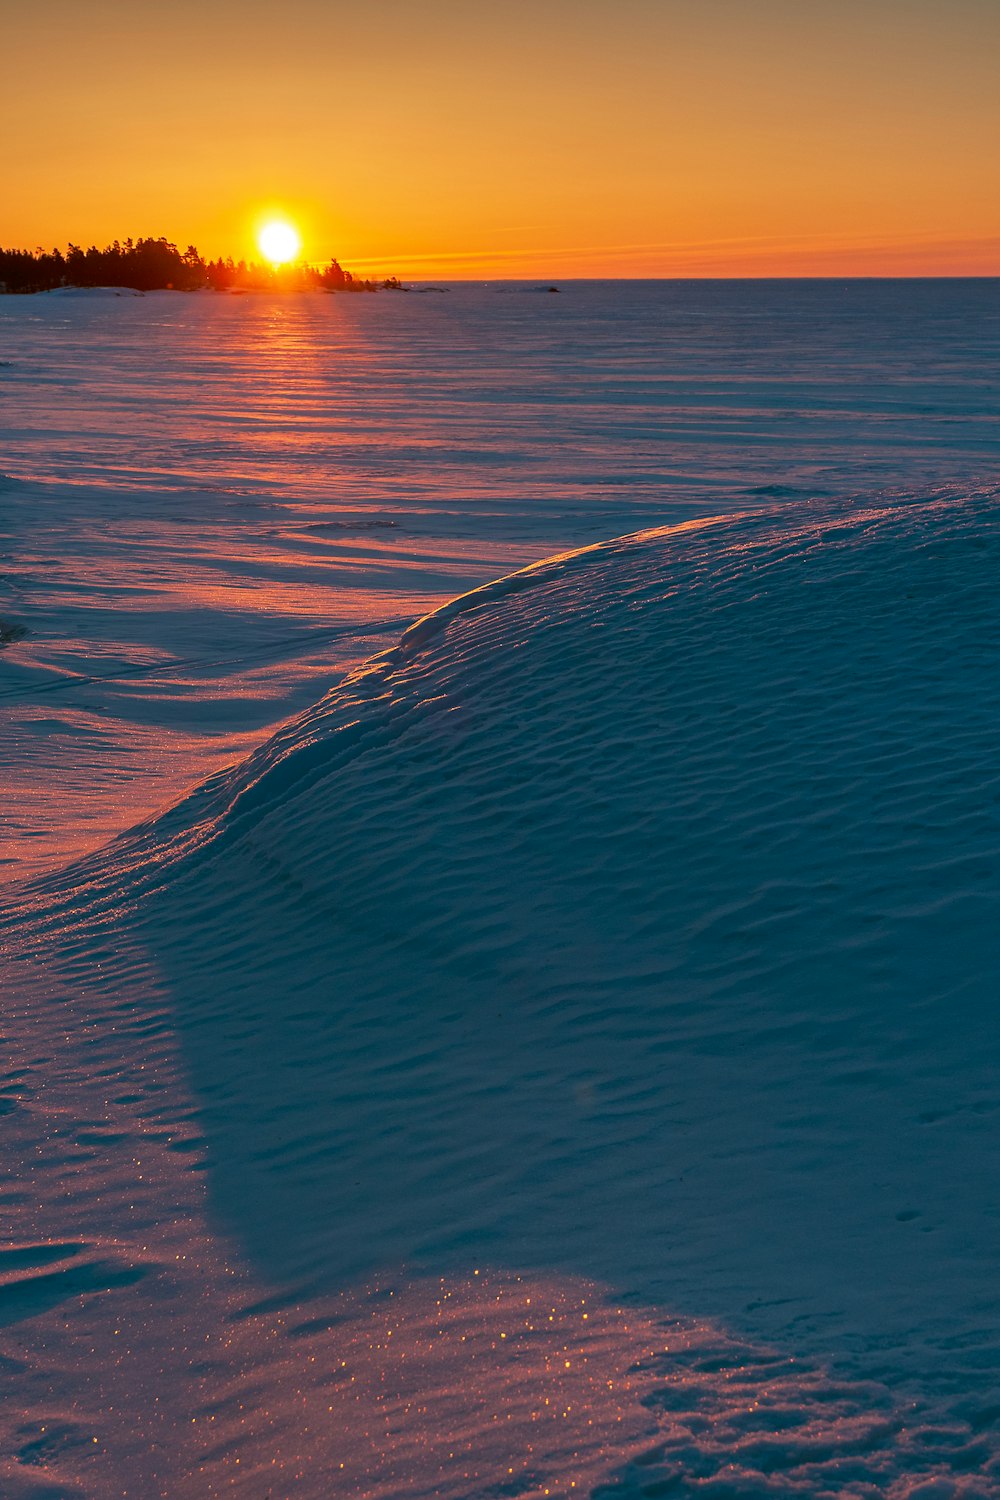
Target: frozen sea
550 1048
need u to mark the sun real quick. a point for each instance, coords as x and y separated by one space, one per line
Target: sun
279 242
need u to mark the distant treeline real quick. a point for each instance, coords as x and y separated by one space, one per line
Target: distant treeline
157 265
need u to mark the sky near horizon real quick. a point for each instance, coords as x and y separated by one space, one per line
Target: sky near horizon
563 138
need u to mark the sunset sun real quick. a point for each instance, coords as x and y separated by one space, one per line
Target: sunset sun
279 242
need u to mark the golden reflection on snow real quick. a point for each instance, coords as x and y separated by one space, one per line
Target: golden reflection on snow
141 1357
454 1385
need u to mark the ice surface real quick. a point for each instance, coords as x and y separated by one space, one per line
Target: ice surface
630 929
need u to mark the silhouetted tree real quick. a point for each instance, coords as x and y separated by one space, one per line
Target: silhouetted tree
156 264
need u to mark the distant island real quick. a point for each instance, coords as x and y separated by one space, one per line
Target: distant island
153 265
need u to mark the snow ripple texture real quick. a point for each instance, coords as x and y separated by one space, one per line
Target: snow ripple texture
636 918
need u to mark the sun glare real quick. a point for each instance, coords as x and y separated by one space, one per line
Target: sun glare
279 242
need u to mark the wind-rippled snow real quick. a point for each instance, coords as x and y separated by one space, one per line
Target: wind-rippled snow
212 505
562 1059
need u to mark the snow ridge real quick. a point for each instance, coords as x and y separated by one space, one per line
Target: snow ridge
635 919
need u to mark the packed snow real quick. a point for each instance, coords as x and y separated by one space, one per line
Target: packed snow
560 1057
634 923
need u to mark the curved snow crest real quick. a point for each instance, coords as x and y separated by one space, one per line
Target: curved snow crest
365 687
422 631
335 727
358 711
338 725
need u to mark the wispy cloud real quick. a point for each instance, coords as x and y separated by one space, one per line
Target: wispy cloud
679 255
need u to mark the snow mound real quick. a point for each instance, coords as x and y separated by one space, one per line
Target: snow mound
635 918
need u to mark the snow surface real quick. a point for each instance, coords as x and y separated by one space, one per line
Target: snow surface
607 971
209 506
90 292
562 1059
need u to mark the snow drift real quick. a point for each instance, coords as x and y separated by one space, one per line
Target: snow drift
636 918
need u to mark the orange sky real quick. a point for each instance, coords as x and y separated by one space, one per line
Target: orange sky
456 138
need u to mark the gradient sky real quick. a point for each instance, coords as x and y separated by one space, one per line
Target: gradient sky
561 138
